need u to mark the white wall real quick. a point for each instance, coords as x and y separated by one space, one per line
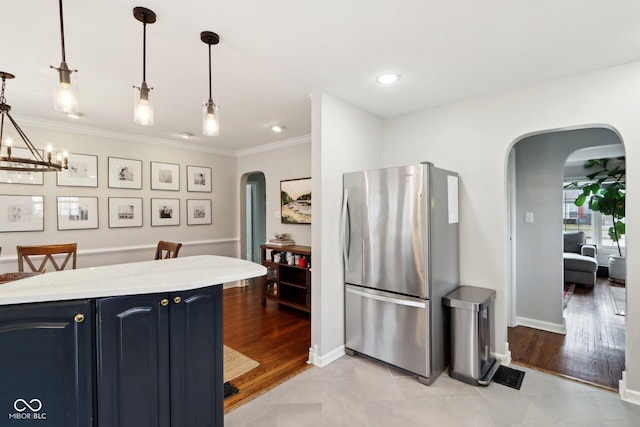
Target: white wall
474 138
344 139
289 159
540 161
118 245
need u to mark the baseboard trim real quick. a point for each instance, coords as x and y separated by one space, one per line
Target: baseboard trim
542 325
626 394
323 360
504 358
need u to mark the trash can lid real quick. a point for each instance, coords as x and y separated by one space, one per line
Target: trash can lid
469 297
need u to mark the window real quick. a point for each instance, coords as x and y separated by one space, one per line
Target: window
581 218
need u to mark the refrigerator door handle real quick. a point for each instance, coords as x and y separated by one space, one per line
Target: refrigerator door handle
412 302
343 231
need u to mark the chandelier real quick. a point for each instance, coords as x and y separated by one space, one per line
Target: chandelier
34 160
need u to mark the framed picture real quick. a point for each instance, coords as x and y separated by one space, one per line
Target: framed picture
82 172
125 212
198 211
165 176
165 212
77 213
21 213
125 173
199 179
295 201
18 177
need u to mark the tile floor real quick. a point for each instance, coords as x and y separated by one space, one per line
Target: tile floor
353 391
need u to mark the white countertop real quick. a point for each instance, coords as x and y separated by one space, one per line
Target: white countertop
167 275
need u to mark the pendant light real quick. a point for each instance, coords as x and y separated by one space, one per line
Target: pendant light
33 161
143 105
66 89
210 113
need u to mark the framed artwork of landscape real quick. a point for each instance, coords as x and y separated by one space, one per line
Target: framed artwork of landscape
295 201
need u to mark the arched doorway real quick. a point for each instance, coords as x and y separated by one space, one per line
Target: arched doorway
536 176
253 215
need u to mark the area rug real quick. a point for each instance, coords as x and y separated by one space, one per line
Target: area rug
236 364
568 292
619 299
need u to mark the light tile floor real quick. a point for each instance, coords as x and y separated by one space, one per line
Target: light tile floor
354 391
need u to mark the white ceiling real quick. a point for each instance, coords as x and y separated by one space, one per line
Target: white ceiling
272 54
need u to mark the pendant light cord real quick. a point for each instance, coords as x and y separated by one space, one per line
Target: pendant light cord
64 59
144 48
210 70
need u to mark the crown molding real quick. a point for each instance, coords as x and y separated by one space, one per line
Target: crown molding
122 136
304 139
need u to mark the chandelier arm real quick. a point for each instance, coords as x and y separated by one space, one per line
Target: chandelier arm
27 141
1 131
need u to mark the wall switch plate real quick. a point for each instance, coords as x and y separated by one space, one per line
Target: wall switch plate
528 217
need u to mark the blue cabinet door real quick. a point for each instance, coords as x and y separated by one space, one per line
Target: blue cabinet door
133 361
196 358
160 360
46 361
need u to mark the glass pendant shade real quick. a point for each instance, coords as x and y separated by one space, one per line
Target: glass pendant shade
143 105
66 90
210 119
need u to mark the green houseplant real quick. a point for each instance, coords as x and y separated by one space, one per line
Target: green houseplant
605 192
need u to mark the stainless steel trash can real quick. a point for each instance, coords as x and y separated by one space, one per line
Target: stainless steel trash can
471 311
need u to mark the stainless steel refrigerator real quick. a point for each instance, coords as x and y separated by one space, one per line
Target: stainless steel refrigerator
400 249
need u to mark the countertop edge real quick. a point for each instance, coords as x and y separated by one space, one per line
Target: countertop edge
148 277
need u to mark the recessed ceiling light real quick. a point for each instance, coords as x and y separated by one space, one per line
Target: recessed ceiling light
388 78
186 135
277 128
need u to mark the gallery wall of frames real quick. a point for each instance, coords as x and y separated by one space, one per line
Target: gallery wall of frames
120 194
25 212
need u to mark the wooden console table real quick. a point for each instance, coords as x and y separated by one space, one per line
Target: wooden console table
287 284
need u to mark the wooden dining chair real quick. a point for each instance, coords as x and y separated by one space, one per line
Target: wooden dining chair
66 252
167 250
10 277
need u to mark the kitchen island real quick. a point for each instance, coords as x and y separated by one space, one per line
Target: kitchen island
136 344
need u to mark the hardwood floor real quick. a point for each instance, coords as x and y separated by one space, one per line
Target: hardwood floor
279 339
593 348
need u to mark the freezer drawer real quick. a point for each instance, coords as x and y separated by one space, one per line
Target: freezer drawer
389 327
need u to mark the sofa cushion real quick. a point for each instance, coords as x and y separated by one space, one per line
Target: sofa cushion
573 240
577 262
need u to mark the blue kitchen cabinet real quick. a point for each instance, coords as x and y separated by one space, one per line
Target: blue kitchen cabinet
46 364
159 359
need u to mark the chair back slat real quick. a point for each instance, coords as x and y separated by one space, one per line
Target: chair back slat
69 250
166 250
